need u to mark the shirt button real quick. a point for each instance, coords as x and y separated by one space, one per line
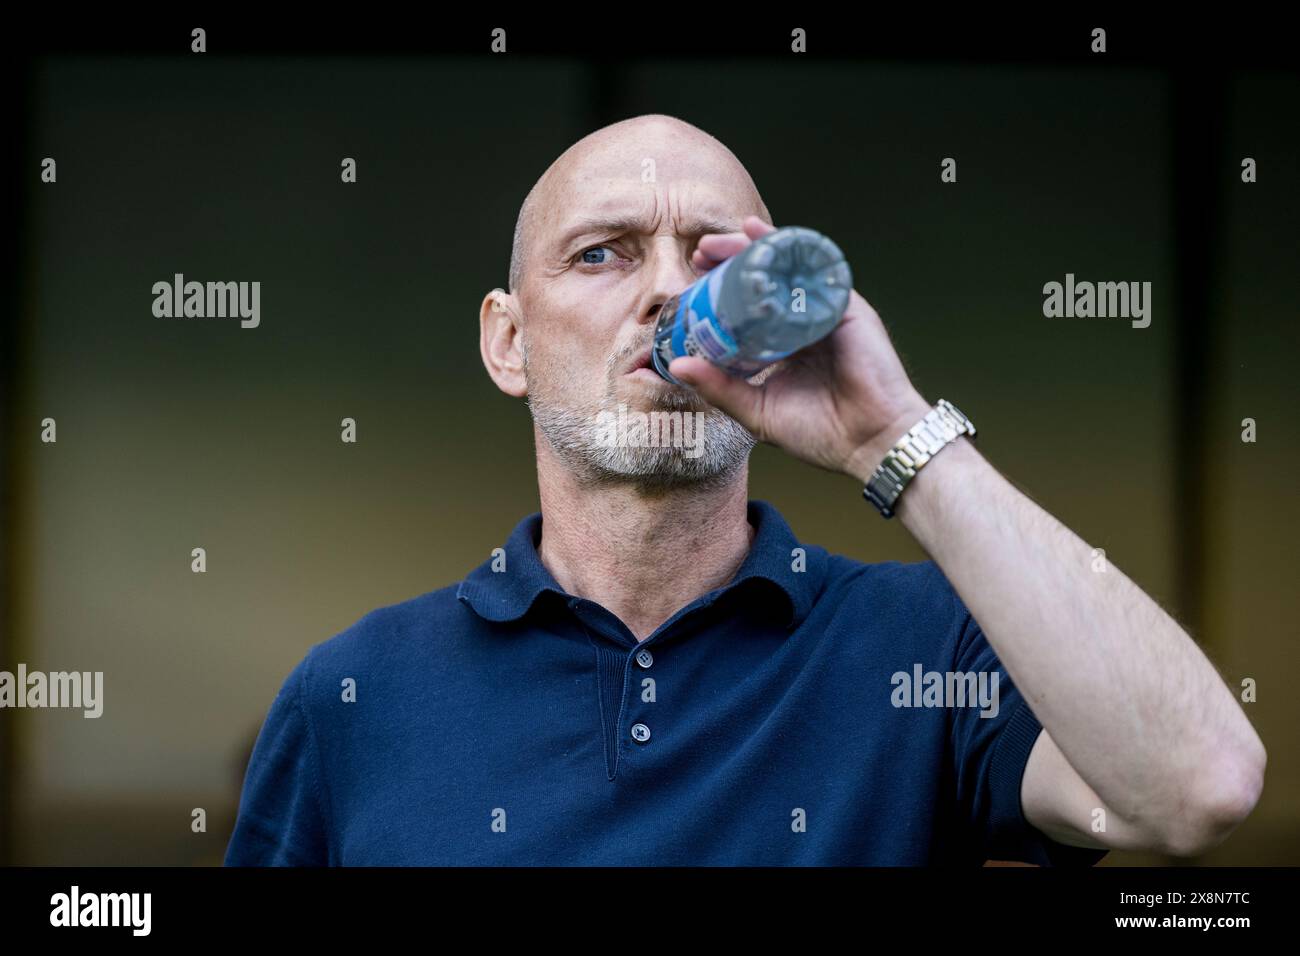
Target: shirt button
640 733
645 659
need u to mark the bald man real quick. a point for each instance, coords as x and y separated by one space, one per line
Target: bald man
653 670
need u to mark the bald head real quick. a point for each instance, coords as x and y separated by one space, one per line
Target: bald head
625 145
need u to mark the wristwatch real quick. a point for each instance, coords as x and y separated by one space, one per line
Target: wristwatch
941 425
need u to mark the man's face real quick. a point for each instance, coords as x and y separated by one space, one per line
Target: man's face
612 243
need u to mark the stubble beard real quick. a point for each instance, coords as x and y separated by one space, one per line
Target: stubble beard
573 433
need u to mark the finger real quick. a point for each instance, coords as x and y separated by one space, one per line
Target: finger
730 394
756 228
717 247
702 263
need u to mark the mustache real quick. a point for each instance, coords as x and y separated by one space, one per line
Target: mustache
620 358
668 397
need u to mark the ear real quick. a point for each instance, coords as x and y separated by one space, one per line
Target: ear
499 329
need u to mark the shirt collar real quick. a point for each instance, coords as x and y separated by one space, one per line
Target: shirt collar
775 557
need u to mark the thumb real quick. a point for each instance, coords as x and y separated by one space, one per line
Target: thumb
728 393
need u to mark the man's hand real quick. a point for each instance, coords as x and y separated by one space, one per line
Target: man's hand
840 403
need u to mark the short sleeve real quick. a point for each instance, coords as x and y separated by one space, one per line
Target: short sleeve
281 820
990 754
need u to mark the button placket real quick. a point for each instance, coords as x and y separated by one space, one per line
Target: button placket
640 731
618 693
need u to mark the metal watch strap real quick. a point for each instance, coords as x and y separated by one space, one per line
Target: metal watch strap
941 425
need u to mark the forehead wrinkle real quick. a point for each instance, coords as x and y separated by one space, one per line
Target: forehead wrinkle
697 206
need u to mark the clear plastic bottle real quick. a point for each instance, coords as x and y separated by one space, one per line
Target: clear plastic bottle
776 296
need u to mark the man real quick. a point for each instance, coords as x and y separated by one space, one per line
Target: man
655 671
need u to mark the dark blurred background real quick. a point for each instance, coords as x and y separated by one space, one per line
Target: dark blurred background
175 434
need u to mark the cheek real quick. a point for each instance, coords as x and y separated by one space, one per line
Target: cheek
581 332
567 363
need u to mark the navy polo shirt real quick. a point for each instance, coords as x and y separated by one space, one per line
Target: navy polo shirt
503 721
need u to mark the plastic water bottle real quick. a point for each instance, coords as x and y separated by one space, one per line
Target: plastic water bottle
777 295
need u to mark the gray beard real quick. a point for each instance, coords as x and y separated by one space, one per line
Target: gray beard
720 446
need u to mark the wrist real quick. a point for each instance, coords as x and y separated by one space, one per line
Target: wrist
864 461
938 428
949 477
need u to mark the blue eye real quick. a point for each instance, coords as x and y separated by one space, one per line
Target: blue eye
586 252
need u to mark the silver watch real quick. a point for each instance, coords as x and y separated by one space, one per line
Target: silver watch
941 425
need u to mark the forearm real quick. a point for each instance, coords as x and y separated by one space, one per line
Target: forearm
1128 697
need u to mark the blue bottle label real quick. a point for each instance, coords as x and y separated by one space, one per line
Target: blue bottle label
695 328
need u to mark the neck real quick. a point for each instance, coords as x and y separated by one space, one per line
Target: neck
642 554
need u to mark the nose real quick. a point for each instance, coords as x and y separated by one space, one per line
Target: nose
670 271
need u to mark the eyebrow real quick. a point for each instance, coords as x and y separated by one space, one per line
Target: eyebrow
608 225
